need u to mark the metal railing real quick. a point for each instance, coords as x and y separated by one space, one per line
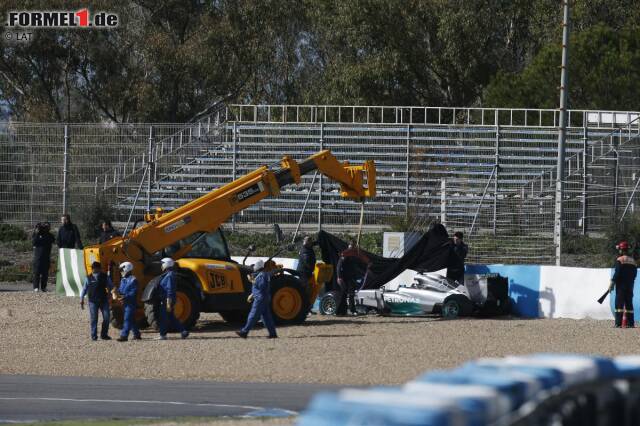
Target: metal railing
427 115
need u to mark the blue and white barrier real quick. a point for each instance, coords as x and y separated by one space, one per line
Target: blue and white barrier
519 390
535 291
556 291
549 291
540 291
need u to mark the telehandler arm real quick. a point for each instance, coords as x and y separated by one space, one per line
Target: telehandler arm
208 212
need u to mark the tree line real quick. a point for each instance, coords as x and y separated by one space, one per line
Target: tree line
170 59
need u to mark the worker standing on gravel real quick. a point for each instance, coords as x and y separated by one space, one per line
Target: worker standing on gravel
42 240
623 279
455 268
167 301
128 290
68 234
459 246
97 287
261 298
347 274
306 259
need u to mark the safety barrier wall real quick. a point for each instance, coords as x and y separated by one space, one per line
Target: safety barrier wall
540 389
555 291
549 291
535 291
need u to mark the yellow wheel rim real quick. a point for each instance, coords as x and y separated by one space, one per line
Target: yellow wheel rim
182 310
287 303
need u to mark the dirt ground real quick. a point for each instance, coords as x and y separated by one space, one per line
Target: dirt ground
48 334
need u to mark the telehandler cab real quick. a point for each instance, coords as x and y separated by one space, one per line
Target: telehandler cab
208 279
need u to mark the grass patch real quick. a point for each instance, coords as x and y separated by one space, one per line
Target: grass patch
21 246
11 273
11 233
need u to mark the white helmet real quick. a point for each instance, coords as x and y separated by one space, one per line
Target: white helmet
126 267
259 265
167 262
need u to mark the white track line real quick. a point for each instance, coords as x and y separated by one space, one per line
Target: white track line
121 401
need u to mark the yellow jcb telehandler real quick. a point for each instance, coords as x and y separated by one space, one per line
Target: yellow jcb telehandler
208 280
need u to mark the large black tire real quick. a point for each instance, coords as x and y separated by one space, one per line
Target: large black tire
187 297
289 300
329 303
234 317
117 318
150 311
187 309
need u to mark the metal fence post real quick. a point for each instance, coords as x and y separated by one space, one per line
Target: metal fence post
562 135
406 184
585 171
497 174
443 202
119 175
233 166
65 169
616 176
320 181
149 167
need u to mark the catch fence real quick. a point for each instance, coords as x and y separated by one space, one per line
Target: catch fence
492 178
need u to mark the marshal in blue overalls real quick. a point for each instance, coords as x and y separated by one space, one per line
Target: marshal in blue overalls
261 307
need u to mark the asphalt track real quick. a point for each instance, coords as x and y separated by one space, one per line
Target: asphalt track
38 398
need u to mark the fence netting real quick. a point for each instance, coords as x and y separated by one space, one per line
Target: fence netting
494 181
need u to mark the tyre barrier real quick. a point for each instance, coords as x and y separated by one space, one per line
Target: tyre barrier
533 390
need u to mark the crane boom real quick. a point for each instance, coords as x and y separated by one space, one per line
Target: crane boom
211 210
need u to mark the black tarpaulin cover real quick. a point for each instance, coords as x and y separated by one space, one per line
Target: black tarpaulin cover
432 252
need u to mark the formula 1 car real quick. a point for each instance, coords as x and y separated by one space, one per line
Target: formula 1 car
431 294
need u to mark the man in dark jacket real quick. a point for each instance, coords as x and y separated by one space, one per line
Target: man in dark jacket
306 259
68 234
97 287
107 232
42 240
623 279
347 275
455 268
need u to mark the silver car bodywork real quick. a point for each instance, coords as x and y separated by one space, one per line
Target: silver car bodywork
426 295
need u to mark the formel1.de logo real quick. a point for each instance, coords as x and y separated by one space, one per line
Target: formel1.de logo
61 19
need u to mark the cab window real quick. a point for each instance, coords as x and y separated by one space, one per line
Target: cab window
210 245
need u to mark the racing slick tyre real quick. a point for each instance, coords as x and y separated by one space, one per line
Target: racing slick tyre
451 309
289 300
329 303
